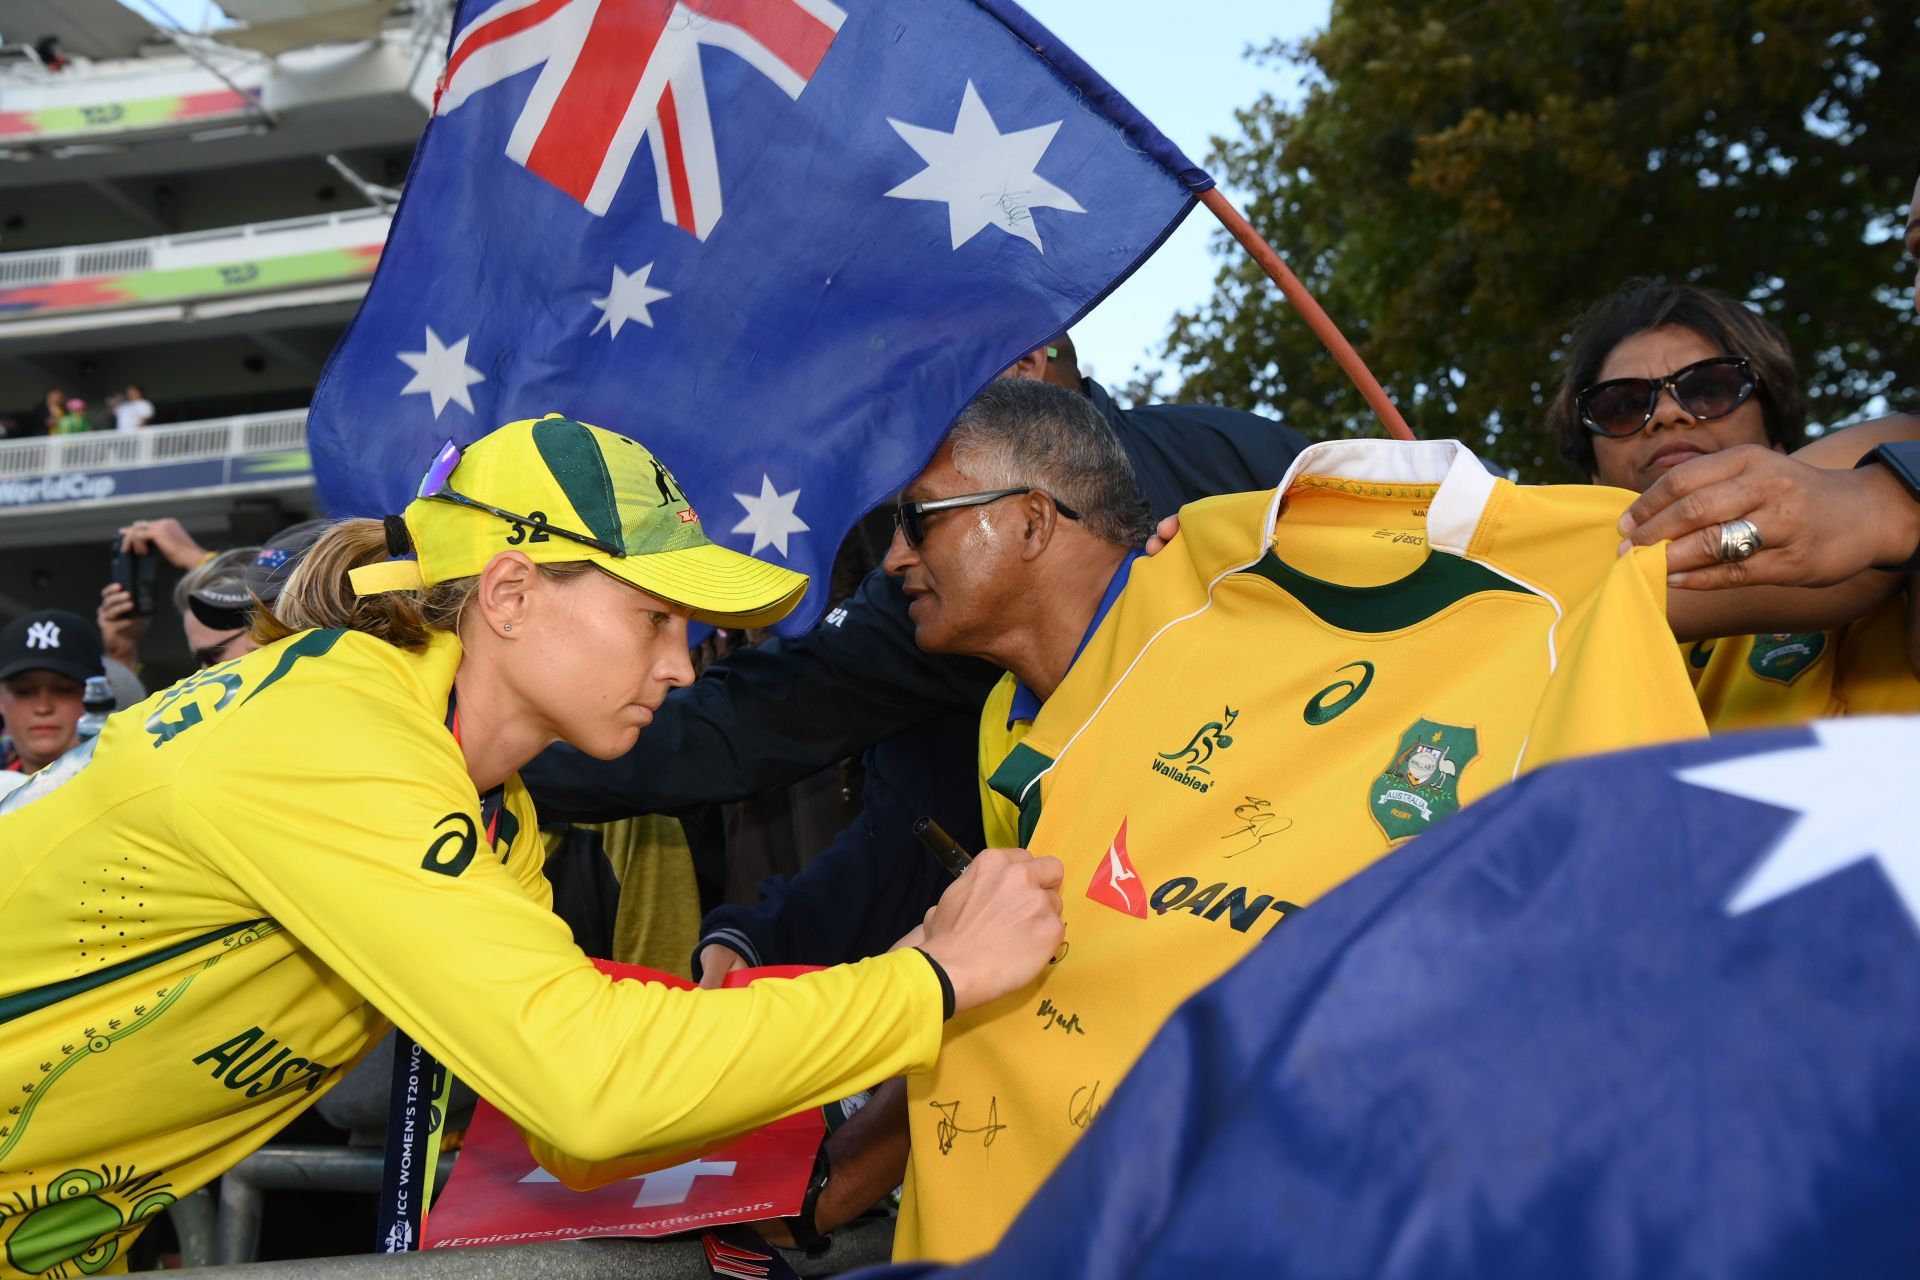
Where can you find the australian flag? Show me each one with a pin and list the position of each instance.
(1644, 1015)
(781, 242)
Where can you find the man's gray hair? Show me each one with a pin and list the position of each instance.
(1017, 432)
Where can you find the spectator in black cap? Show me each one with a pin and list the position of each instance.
(45, 660)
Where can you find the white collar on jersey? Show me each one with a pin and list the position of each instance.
(1452, 516)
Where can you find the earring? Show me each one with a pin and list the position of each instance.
(506, 626)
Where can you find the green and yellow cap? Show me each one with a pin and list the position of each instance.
(559, 491)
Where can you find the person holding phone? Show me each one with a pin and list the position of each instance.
(264, 866)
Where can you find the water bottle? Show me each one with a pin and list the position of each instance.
(98, 701)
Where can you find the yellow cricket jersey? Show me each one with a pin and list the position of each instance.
(1278, 699)
(1758, 682)
(203, 928)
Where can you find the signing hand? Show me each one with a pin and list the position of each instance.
(1818, 526)
(996, 927)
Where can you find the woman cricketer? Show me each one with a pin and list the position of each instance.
(205, 923)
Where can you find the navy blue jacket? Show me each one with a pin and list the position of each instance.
(770, 715)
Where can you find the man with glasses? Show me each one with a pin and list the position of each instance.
(771, 714)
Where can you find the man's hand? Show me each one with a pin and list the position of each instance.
(168, 538)
(716, 962)
(996, 927)
(1163, 533)
(1818, 526)
(119, 633)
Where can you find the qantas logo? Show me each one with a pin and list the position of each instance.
(1115, 883)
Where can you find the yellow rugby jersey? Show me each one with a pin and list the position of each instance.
(1278, 699)
(1763, 681)
(204, 928)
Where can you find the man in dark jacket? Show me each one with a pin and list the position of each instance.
(767, 716)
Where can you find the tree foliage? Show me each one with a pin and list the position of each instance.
(1462, 179)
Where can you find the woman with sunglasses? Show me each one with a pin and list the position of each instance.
(212, 916)
(1672, 391)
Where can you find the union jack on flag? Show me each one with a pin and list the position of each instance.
(615, 71)
(916, 193)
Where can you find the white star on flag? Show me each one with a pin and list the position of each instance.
(987, 178)
(628, 298)
(442, 372)
(1846, 790)
(770, 517)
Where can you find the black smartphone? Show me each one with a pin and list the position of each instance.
(135, 571)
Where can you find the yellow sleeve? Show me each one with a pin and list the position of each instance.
(1618, 681)
(358, 843)
(997, 814)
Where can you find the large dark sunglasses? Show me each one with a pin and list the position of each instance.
(910, 518)
(434, 485)
(1706, 389)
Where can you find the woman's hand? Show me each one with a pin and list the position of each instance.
(996, 926)
(119, 632)
(1817, 526)
(1163, 533)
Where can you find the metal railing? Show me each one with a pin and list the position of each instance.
(154, 446)
(122, 257)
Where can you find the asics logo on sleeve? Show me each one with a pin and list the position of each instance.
(454, 849)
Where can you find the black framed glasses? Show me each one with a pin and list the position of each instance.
(434, 485)
(910, 518)
(1706, 389)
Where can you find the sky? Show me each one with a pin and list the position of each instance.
(1188, 77)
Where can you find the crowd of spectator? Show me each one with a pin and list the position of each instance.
(61, 414)
(766, 816)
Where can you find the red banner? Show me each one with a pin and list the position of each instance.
(497, 1194)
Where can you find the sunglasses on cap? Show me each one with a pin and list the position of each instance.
(434, 485)
(910, 518)
(1706, 389)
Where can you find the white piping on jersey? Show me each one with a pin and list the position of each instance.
(1465, 486)
(1273, 511)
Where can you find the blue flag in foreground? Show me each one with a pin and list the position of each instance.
(1642, 1015)
(781, 242)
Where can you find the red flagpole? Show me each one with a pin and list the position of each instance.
(1316, 317)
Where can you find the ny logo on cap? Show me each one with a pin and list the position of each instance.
(43, 635)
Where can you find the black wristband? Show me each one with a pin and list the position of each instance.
(805, 1225)
(946, 985)
(1902, 458)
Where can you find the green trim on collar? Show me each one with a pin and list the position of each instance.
(1022, 765)
(1441, 580)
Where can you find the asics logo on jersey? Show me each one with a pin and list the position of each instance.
(454, 849)
(1319, 710)
(1115, 883)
